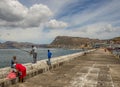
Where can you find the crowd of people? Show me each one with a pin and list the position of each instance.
(19, 70)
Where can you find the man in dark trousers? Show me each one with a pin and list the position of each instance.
(49, 57)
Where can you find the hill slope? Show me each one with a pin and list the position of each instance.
(74, 42)
(13, 44)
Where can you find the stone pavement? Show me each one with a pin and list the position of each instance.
(96, 69)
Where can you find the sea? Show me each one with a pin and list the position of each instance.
(24, 57)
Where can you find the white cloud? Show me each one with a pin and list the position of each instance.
(54, 24)
(19, 23)
(37, 14)
(99, 30)
(14, 14)
(21, 35)
(12, 10)
(36, 35)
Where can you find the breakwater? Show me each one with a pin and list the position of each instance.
(39, 67)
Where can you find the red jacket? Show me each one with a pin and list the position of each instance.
(21, 69)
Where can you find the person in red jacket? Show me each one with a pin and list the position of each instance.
(21, 71)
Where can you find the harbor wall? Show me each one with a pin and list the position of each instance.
(38, 68)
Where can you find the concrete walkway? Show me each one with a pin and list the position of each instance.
(96, 69)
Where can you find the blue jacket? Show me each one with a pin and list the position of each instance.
(49, 54)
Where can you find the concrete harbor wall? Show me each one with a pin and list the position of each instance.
(39, 67)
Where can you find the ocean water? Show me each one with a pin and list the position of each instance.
(24, 57)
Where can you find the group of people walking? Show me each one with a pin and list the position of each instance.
(20, 70)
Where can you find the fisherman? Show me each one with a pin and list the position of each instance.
(49, 57)
(34, 53)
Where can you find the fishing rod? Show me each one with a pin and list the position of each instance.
(23, 50)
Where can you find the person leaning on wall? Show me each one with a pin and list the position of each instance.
(20, 71)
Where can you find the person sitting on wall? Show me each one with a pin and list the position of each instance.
(13, 61)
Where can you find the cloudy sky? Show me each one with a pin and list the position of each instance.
(40, 21)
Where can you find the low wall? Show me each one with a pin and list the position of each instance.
(39, 67)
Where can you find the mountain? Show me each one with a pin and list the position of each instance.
(74, 42)
(13, 44)
(62, 42)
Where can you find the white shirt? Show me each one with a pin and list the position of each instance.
(34, 49)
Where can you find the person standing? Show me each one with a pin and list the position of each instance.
(34, 53)
(49, 57)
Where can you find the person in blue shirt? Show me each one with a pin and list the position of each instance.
(13, 61)
(49, 57)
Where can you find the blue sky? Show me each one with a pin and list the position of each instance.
(40, 21)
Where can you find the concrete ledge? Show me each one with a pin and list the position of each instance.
(38, 68)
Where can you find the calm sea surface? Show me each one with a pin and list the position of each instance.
(24, 57)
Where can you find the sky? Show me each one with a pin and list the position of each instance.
(40, 21)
